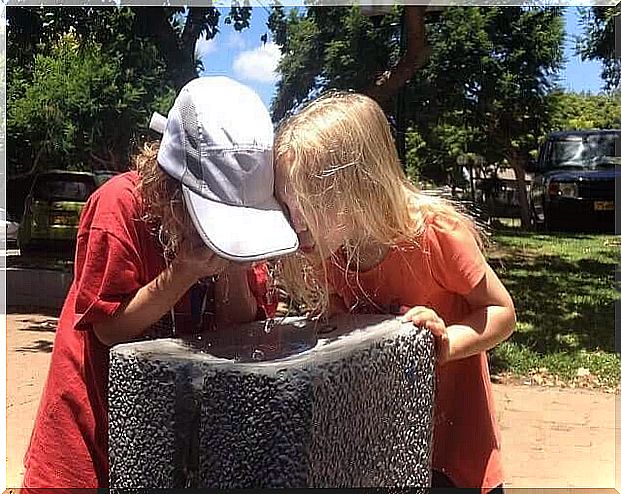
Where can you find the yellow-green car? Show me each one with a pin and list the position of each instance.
(52, 210)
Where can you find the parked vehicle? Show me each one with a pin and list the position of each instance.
(52, 209)
(498, 196)
(574, 180)
(9, 226)
(102, 176)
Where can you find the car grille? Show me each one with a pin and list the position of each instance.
(597, 190)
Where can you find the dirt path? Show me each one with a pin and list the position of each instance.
(551, 437)
(29, 345)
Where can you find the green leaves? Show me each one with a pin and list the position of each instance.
(490, 70)
(484, 92)
(239, 16)
(84, 81)
(78, 108)
(585, 111)
(329, 47)
(485, 89)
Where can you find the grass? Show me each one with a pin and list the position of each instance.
(563, 287)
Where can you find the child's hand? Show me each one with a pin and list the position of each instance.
(424, 317)
(200, 261)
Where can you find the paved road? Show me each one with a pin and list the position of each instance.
(551, 437)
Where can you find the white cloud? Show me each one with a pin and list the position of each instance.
(258, 64)
(204, 47)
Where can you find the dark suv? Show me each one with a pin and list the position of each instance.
(573, 184)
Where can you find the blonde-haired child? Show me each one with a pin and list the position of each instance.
(371, 241)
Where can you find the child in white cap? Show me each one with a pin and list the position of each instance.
(170, 247)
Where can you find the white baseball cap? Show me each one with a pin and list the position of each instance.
(217, 141)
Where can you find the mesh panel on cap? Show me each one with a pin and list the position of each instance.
(191, 134)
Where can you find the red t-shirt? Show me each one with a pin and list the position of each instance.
(116, 254)
(437, 271)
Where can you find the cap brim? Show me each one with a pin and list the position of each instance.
(242, 234)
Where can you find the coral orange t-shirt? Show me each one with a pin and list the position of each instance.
(116, 254)
(437, 271)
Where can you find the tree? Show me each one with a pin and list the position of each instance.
(513, 105)
(78, 110)
(73, 101)
(575, 111)
(598, 41)
(329, 47)
(174, 31)
(484, 87)
(123, 63)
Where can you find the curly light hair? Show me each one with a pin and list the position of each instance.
(162, 201)
(338, 152)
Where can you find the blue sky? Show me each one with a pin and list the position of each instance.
(244, 57)
(578, 75)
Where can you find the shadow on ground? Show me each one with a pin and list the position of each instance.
(45, 326)
(37, 346)
(563, 289)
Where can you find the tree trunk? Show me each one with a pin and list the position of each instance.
(517, 164)
(194, 24)
(178, 53)
(415, 56)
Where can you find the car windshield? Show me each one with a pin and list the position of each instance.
(591, 151)
(62, 188)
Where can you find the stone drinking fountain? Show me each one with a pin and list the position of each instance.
(344, 403)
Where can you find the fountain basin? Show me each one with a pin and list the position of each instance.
(347, 403)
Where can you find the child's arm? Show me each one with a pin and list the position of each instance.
(153, 300)
(491, 321)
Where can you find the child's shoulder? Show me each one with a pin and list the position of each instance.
(448, 232)
(430, 213)
(123, 183)
(442, 220)
(118, 197)
(445, 223)
(120, 190)
(437, 222)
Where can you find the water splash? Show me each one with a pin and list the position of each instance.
(269, 324)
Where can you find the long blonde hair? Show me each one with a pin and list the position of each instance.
(339, 151)
(162, 201)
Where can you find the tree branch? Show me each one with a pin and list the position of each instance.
(153, 22)
(192, 30)
(415, 56)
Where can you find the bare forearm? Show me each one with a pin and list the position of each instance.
(146, 307)
(235, 302)
(483, 329)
